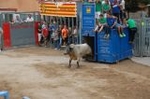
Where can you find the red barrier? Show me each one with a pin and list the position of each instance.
(6, 35)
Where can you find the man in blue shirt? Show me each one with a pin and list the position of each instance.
(113, 24)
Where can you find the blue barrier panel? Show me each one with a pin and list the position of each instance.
(4, 94)
(88, 9)
(113, 49)
(88, 19)
(125, 47)
(108, 49)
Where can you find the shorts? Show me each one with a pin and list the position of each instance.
(118, 25)
(97, 15)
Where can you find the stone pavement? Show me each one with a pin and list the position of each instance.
(142, 60)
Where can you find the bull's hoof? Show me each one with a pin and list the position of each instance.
(65, 53)
(69, 66)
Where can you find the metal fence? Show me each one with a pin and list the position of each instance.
(142, 38)
(18, 33)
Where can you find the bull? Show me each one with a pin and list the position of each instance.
(76, 52)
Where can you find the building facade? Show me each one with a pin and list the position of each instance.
(19, 5)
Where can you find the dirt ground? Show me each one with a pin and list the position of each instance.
(42, 73)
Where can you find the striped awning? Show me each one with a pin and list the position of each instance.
(61, 9)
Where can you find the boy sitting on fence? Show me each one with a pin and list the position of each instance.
(102, 24)
(112, 23)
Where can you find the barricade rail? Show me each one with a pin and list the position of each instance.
(142, 38)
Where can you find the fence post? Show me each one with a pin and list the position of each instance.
(141, 38)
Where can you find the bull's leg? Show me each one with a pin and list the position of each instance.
(78, 60)
(69, 63)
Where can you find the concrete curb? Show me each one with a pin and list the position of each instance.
(142, 60)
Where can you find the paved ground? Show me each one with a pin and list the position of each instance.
(42, 73)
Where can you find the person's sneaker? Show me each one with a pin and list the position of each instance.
(107, 36)
(121, 35)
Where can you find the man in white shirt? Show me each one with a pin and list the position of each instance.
(29, 18)
(18, 19)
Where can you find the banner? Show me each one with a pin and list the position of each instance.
(61, 9)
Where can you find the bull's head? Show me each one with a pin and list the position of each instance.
(69, 49)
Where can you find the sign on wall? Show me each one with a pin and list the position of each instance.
(61, 9)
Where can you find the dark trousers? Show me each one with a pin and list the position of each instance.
(132, 32)
(118, 16)
(107, 29)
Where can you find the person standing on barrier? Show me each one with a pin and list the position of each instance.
(1, 36)
(116, 9)
(98, 8)
(132, 29)
(59, 36)
(69, 35)
(106, 7)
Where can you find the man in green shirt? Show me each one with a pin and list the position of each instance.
(98, 8)
(132, 29)
(106, 7)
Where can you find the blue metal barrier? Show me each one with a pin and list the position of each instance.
(113, 49)
(109, 50)
(4, 94)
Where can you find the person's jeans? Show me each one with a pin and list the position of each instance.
(60, 43)
(75, 40)
(132, 32)
(56, 44)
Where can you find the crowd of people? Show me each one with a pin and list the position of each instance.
(111, 14)
(56, 35)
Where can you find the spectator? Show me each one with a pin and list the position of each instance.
(98, 8)
(106, 8)
(18, 19)
(29, 18)
(132, 29)
(112, 23)
(56, 39)
(102, 24)
(45, 35)
(64, 34)
(75, 35)
(39, 34)
(52, 28)
(116, 9)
